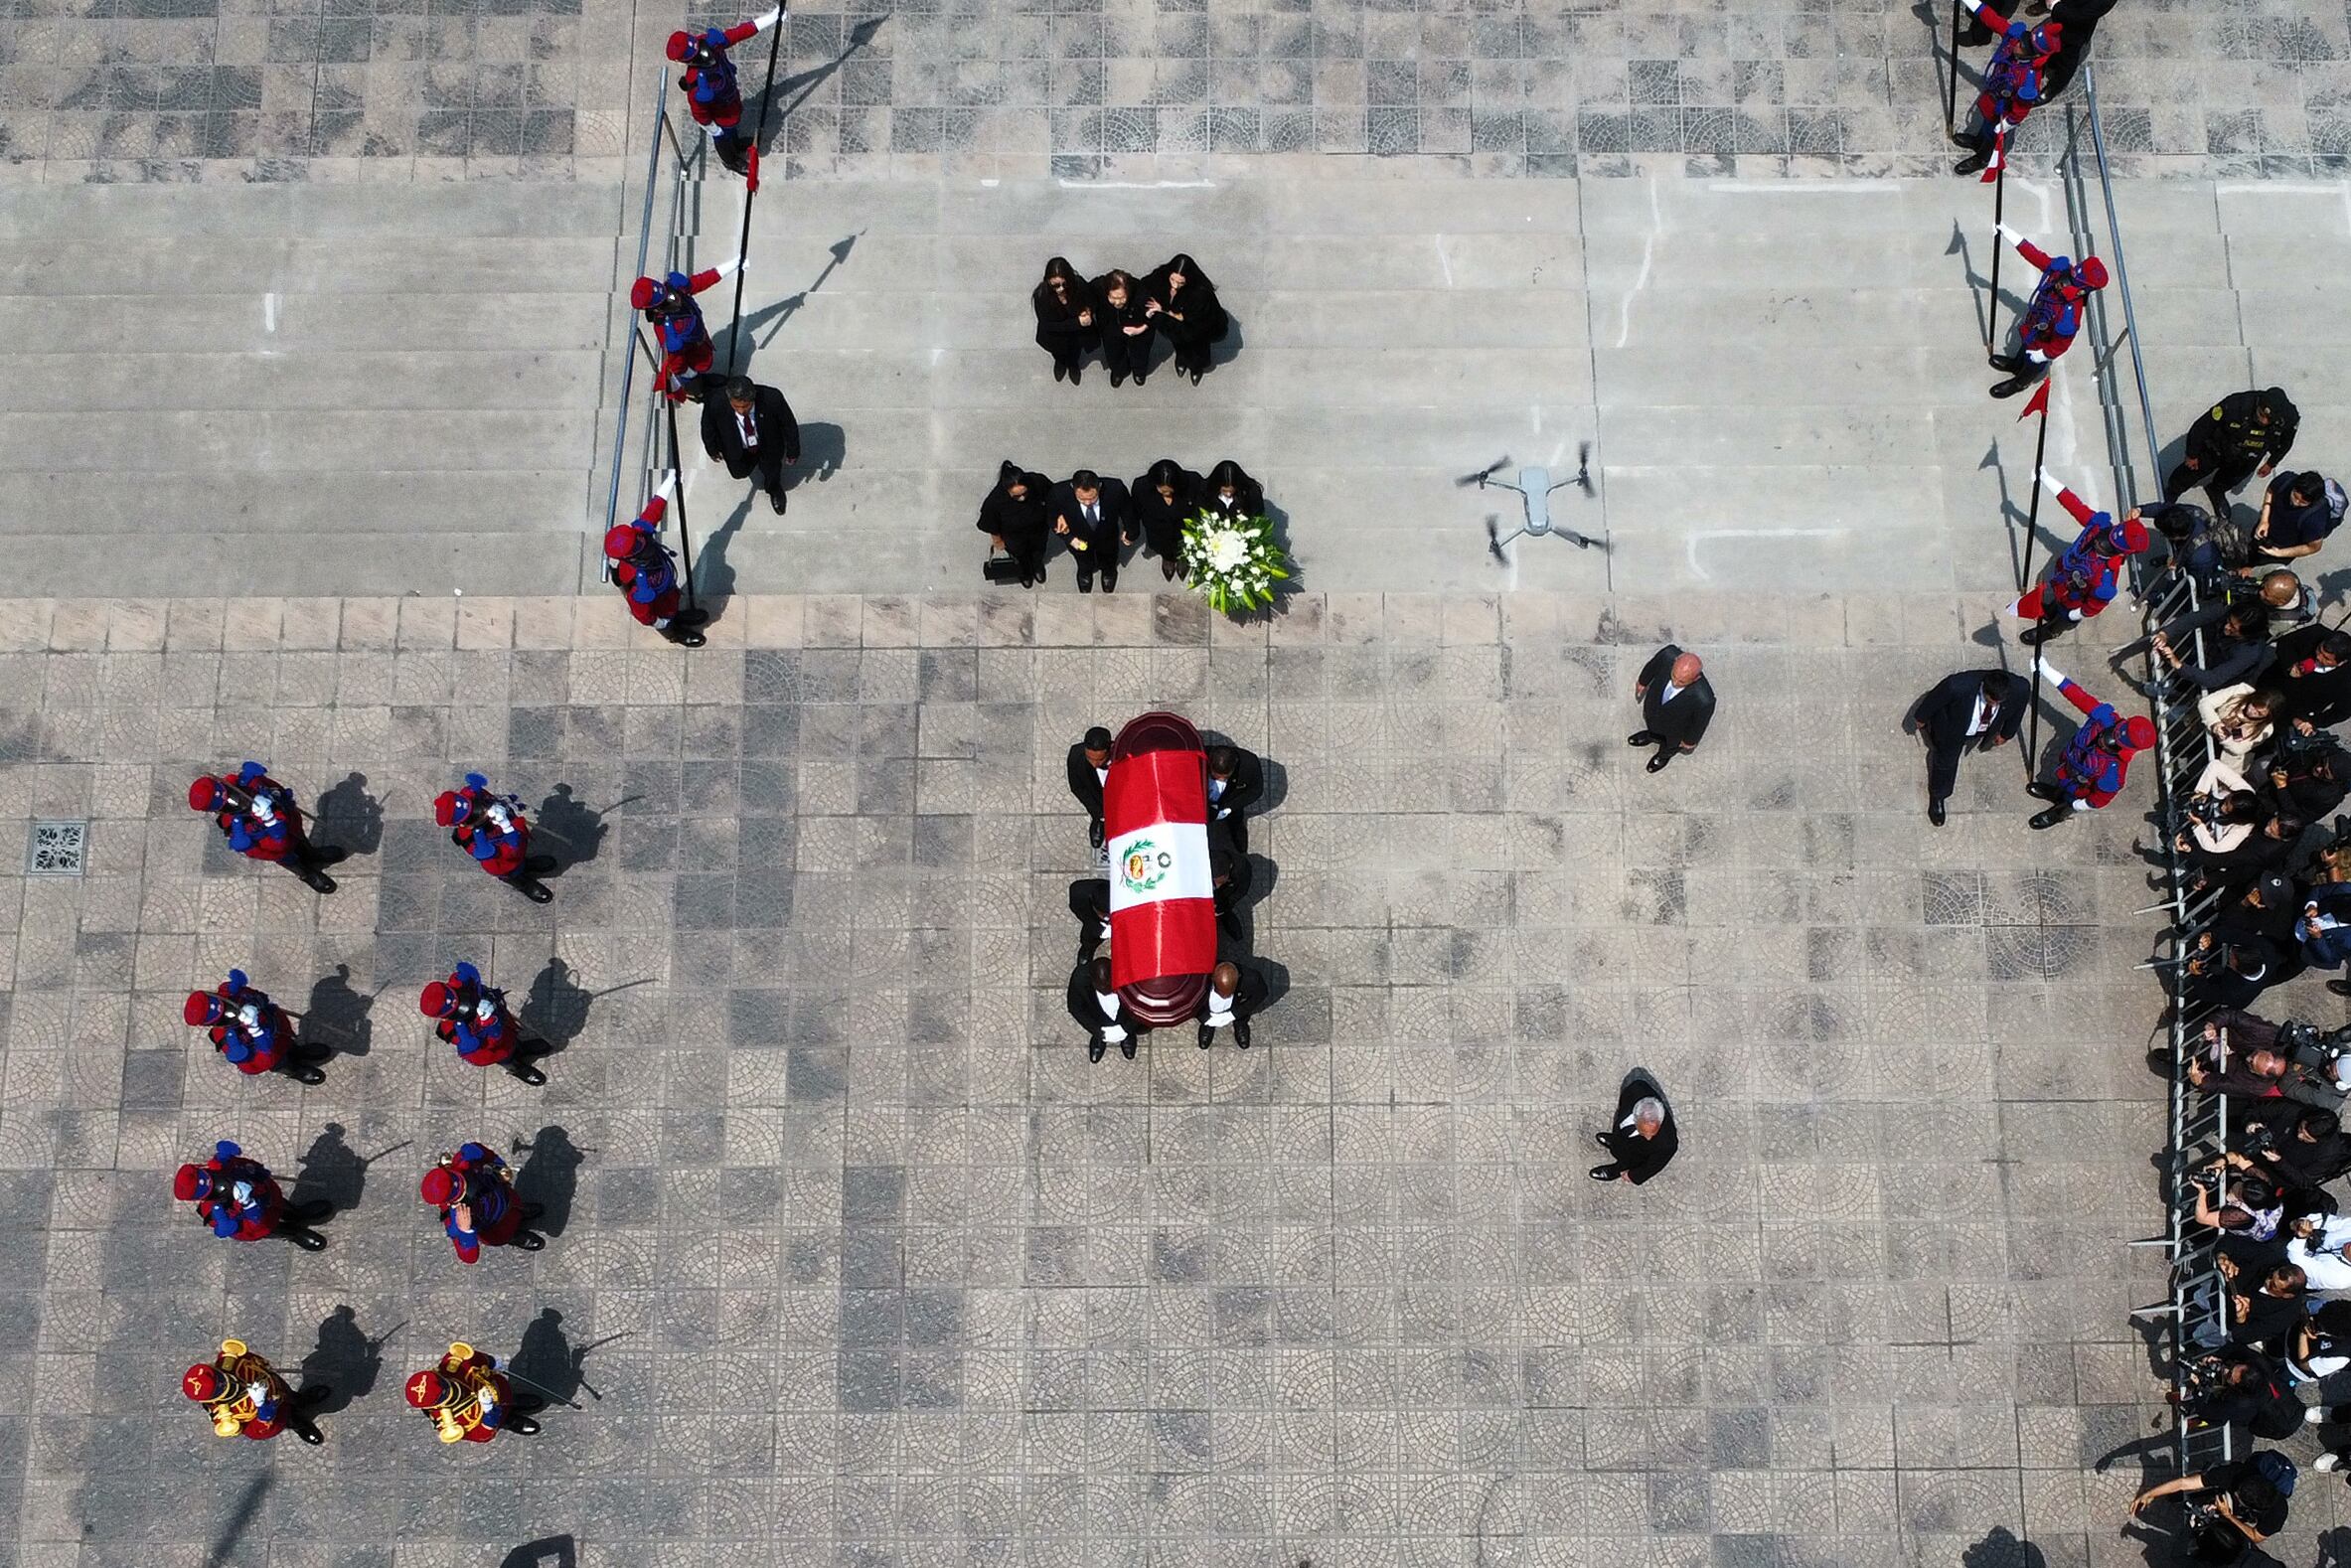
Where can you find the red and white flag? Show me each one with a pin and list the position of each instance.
(1991, 170)
(1163, 912)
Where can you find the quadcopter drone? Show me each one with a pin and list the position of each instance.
(1534, 489)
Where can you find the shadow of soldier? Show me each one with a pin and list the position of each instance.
(335, 1019)
(345, 1360)
(578, 830)
(548, 1177)
(2001, 1549)
(548, 1362)
(549, 1551)
(350, 818)
(330, 1172)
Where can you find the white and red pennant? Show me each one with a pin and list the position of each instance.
(1163, 912)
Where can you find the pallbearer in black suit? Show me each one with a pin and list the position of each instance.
(1165, 500)
(1676, 703)
(1183, 304)
(1641, 1139)
(1125, 325)
(1236, 782)
(1091, 513)
(1089, 770)
(1089, 902)
(1015, 518)
(1065, 318)
(1101, 1012)
(1235, 993)
(1973, 710)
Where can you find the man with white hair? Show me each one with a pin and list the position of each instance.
(1641, 1139)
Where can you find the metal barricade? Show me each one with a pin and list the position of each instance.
(2196, 1307)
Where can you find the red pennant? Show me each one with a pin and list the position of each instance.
(751, 178)
(2037, 404)
(1991, 170)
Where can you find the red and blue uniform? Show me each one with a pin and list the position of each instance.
(642, 566)
(234, 1195)
(475, 1176)
(2015, 81)
(488, 827)
(253, 810)
(2095, 761)
(668, 304)
(2086, 573)
(2053, 316)
(472, 1016)
(714, 92)
(248, 1027)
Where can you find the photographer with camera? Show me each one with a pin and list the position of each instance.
(2228, 970)
(2242, 1390)
(2231, 1507)
(2302, 1148)
(2310, 772)
(2236, 1199)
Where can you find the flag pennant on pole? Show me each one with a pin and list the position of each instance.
(751, 176)
(2037, 404)
(1991, 170)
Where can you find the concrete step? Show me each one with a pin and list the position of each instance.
(393, 561)
(76, 219)
(299, 323)
(293, 440)
(422, 263)
(419, 380)
(167, 507)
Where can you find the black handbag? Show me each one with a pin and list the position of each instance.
(1000, 568)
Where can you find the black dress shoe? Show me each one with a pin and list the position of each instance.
(1640, 738)
(1659, 760)
(1074, 377)
(522, 1426)
(1207, 1036)
(1973, 162)
(2050, 818)
(1935, 812)
(1060, 370)
(775, 499)
(1605, 1173)
(1095, 1050)
(1140, 377)
(1126, 1048)
(2011, 387)
(1118, 378)
(1085, 584)
(528, 1073)
(1241, 1033)
(303, 1073)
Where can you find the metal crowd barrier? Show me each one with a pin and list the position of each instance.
(674, 168)
(2195, 1310)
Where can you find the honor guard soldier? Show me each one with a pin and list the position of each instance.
(247, 1397)
(492, 829)
(713, 94)
(2052, 317)
(474, 1017)
(252, 1030)
(477, 1202)
(2086, 574)
(257, 815)
(239, 1200)
(468, 1397)
(667, 303)
(648, 574)
(2013, 83)
(2096, 762)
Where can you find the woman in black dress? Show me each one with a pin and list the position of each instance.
(1165, 500)
(1014, 520)
(1183, 305)
(1230, 495)
(1125, 324)
(1065, 318)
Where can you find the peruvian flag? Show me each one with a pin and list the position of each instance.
(1163, 914)
(1991, 170)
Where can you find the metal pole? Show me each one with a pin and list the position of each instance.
(684, 540)
(620, 433)
(1950, 94)
(2097, 142)
(1999, 243)
(2032, 522)
(742, 247)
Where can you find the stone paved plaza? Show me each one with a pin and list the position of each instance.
(855, 1259)
(431, 90)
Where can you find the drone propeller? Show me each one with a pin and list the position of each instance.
(1484, 474)
(1493, 533)
(1584, 467)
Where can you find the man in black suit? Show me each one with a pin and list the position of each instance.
(1973, 710)
(2313, 671)
(1676, 702)
(752, 430)
(1642, 1137)
(1235, 993)
(1089, 770)
(1101, 1012)
(1092, 514)
(1089, 902)
(1236, 781)
(1230, 876)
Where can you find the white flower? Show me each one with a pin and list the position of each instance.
(1227, 549)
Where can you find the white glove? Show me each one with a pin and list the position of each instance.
(2007, 234)
(1112, 1034)
(502, 819)
(2052, 671)
(483, 1010)
(2051, 482)
(2073, 615)
(769, 20)
(729, 268)
(669, 486)
(249, 1016)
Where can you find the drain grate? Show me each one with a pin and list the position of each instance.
(57, 849)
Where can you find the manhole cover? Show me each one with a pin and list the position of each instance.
(57, 849)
